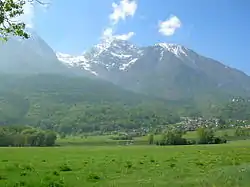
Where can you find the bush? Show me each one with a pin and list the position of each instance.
(205, 136)
(3, 177)
(191, 142)
(150, 139)
(55, 183)
(129, 164)
(56, 173)
(241, 132)
(65, 167)
(173, 137)
(93, 177)
(123, 137)
(218, 140)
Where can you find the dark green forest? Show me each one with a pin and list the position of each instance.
(71, 104)
(76, 104)
(26, 136)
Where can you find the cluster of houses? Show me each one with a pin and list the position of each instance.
(191, 124)
(186, 124)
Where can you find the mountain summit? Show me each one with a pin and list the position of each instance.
(109, 55)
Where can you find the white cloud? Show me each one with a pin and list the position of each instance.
(125, 36)
(122, 10)
(108, 33)
(169, 26)
(29, 14)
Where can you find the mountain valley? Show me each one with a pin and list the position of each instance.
(165, 81)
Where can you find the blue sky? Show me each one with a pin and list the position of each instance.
(215, 28)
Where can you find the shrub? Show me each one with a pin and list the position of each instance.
(173, 137)
(23, 173)
(172, 165)
(65, 167)
(55, 183)
(128, 164)
(205, 136)
(56, 173)
(241, 132)
(150, 139)
(93, 177)
(218, 140)
(19, 184)
(191, 142)
(123, 137)
(3, 177)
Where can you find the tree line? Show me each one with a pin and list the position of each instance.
(20, 136)
(175, 137)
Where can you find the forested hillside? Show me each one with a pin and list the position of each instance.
(73, 104)
(237, 109)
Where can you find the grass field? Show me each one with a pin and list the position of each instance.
(106, 140)
(178, 166)
(193, 135)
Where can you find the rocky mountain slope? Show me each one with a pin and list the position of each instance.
(164, 70)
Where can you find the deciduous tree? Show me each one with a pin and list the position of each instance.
(10, 10)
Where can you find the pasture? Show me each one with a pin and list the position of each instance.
(105, 140)
(225, 165)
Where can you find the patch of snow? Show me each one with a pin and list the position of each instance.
(140, 52)
(162, 53)
(177, 50)
(69, 59)
(73, 61)
(120, 55)
(125, 66)
(103, 46)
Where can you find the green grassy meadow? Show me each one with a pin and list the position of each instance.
(225, 165)
(143, 140)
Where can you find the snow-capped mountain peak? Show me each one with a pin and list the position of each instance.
(110, 54)
(176, 49)
(113, 54)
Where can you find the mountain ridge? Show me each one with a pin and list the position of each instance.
(163, 64)
(169, 71)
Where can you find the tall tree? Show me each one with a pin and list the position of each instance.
(205, 135)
